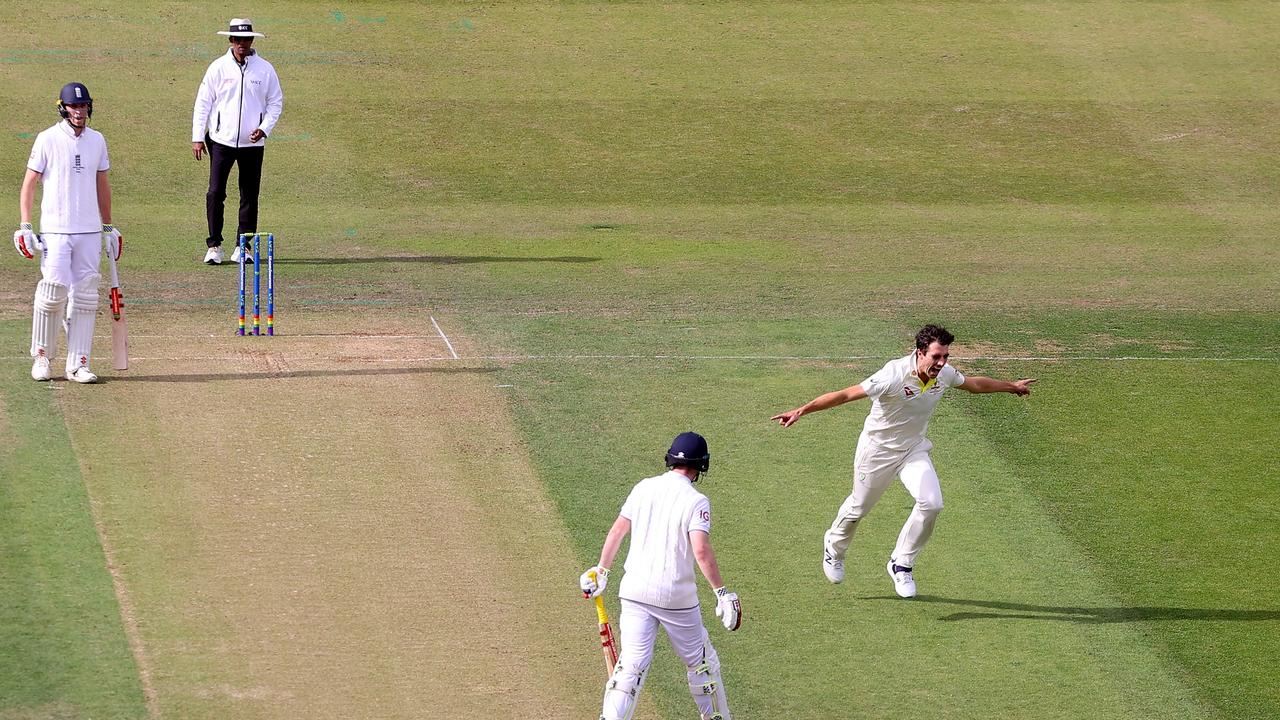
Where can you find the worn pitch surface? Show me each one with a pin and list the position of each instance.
(382, 550)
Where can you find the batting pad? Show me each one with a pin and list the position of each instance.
(51, 297)
(621, 693)
(707, 688)
(82, 314)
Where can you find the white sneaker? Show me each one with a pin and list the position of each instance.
(903, 583)
(40, 368)
(214, 256)
(248, 256)
(82, 375)
(832, 565)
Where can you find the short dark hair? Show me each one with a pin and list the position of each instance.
(933, 333)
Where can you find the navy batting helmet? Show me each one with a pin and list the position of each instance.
(74, 93)
(690, 450)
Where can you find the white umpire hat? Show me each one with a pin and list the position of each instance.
(240, 27)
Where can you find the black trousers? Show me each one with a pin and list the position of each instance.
(221, 158)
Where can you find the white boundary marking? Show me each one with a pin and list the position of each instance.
(452, 352)
(762, 358)
(1063, 358)
(354, 336)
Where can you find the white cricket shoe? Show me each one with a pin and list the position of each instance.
(832, 565)
(248, 255)
(214, 256)
(82, 375)
(40, 369)
(903, 583)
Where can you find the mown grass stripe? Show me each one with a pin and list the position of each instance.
(61, 638)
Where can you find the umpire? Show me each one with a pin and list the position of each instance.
(237, 105)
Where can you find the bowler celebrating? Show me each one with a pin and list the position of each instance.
(670, 524)
(903, 396)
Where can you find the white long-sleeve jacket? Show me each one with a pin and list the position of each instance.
(235, 100)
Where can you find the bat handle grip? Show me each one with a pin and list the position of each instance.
(601, 615)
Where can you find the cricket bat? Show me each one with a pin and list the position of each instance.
(119, 328)
(608, 645)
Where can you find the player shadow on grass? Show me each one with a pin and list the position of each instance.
(435, 259)
(289, 374)
(1088, 615)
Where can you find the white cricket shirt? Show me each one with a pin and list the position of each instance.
(901, 405)
(68, 167)
(659, 567)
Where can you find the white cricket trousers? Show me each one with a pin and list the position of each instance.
(874, 468)
(68, 291)
(71, 259)
(638, 629)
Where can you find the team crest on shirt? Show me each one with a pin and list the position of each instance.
(908, 392)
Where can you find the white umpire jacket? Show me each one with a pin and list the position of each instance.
(235, 100)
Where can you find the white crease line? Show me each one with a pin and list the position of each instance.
(446, 338)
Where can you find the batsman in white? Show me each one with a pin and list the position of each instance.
(903, 396)
(70, 161)
(670, 525)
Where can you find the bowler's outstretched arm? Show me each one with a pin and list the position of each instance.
(980, 384)
(822, 402)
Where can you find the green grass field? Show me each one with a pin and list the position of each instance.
(630, 220)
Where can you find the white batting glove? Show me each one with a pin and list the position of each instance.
(113, 241)
(27, 242)
(593, 581)
(728, 608)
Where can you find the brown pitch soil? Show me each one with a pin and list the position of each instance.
(302, 527)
